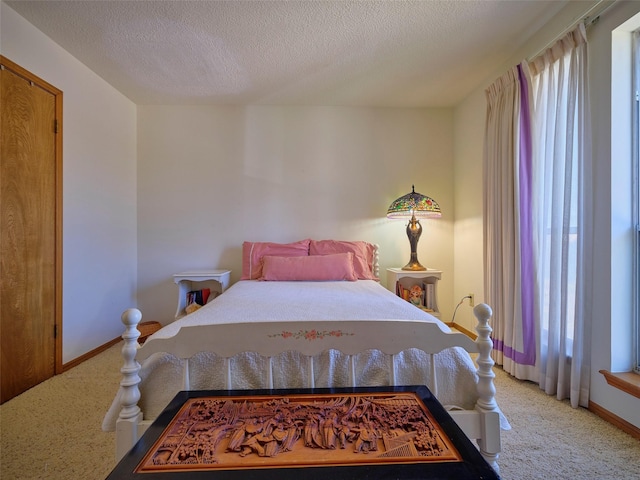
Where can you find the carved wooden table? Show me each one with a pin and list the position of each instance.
(341, 433)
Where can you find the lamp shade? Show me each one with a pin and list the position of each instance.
(414, 204)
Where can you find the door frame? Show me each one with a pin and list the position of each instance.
(5, 63)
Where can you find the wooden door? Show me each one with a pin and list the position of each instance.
(30, 222)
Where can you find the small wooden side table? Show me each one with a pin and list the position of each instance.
(426, 279)
(216, 280)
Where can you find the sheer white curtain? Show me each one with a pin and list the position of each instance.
(509, 280)
(562, 216)
(537, 211)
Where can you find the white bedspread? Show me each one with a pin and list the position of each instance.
(256, 301)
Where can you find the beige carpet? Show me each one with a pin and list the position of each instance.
(53, 432)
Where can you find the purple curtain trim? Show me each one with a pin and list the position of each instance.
(527, 280)
(527, 358)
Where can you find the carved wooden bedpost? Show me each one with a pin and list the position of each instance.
(376, 261)
(486, 389)
(129, 394)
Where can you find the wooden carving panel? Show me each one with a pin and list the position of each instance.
(299, 430)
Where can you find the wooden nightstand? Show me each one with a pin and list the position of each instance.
(426, 279)
(216, 280)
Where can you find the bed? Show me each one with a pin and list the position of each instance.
(295, 321)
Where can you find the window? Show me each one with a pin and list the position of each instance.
(625, 143)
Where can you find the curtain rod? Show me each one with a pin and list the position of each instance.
(589, 17)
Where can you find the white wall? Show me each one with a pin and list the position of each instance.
(608, 326)
(468, 197)
(210, 178)
(99, 187)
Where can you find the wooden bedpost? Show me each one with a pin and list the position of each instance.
(490, 424)
(376, 261)
(129, 394)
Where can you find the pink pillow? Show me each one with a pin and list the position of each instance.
(362, 254)
(318, 268)
(252, 253)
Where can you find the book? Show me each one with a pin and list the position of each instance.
(198, 296)
(429, 297)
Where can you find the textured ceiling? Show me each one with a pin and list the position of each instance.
(352, 53)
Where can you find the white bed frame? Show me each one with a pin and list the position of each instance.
(391, 337)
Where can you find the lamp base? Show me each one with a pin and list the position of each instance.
(414, 266)
(414, 230)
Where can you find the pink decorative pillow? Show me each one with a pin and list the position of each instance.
(334, 267)
(252, 253)
(362, 254)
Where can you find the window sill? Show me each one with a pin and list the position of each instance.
(628, 382)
